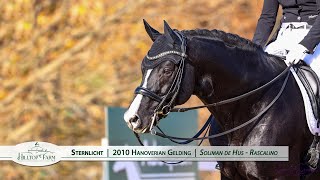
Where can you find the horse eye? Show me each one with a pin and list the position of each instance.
(167, 71)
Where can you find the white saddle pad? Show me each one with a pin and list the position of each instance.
(311, 120)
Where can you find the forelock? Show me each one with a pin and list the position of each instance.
(160, 45)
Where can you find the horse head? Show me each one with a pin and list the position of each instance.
(164, 81)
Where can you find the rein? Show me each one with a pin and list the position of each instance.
(164, 109)
(233, 99)
(237, 127)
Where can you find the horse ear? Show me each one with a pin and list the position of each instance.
(169, 33)
(151, 32)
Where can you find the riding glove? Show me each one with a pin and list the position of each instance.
(295, 54)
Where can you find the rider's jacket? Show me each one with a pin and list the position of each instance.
(293, 11)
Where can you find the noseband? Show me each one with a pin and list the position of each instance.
(166, 102)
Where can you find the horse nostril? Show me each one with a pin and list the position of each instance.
(134, 119)
(135, 122)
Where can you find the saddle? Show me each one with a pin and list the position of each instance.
(311, 83)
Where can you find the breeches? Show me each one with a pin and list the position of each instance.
(289, 36)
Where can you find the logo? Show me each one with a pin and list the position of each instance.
(36, 154)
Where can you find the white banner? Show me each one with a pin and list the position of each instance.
(42, 153)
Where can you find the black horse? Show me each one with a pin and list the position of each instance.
(218, 66)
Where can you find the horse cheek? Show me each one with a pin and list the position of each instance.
(187, 86)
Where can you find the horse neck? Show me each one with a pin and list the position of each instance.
(223, 72)
(231, 70)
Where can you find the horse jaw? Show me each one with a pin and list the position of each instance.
(187, 85)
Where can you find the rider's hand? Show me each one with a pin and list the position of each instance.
(298, 52)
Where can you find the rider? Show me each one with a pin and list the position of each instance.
(299, 33)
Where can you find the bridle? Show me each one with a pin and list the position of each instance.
(165, 105)
(166, 102)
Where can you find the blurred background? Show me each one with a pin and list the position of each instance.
(62, 61)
